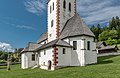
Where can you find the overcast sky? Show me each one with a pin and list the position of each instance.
(23, 21)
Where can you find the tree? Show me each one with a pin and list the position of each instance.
(96, 30)
(104, 28)
(113, 34)
(117, 21)
(115, 24)
(4, 56)
(110, 36)
(104, 35)
(111, 41)
(118, 25)
(110, 33)
(112, 24)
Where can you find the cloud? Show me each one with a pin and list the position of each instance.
(6, 47)
(98, 11)
(35, 6)
(18, 26)
(92, 11)
(25, 27)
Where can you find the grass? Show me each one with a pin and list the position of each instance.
(107, 67)
(118, 46)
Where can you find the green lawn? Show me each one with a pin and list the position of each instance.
(118, 46)
(107, 67)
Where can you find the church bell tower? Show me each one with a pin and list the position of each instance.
(59, 11)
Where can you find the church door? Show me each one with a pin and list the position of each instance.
(49, 65)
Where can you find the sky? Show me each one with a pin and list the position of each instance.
(23, 21)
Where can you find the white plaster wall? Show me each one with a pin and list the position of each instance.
(64, 16)
(67, 40)
(64, 59)
(43, 42)
(31, 63)
(45, 58)
(26, 60)
(76, 54)
(82, 56)
(52, 16)
(92, 43)
(90, 55)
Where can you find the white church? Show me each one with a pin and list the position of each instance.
(67, 42)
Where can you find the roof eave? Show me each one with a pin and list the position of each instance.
(78, 35)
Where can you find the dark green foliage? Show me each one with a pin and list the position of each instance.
(96, 30)
(110, 34)
(104, 35)
(112, 24)
(118, 41)
(111, 41)
(3, 55)
(115, 24)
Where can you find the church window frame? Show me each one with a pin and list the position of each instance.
(50, 9)
(64, 51)
(44, 63)
(53, 6)
(52, 23)
(69, 8)
(64, 4)
(40, 54)
(44, 52)
(50, 35)
(33, 57)
(88, 45)
(74, 45)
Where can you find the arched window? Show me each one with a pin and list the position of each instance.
(53, 5)
(70, 7)
(52, 23)
(50, 9)
(64, 4)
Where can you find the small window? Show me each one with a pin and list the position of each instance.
(74, 45)
(52, 23)
(94, 40)
(53, 6)
(50, 9)
(70, 7)
(64, 4)
(43, 63)
(44, 52)
(33, 57)
(64, 52)
(40, 54)
(50, 35)
(88, 45)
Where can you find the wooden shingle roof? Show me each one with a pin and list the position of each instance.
(57, 42)
(30, 47)
(75, 27)
(109, 47)
(99, 44)
(43, 37)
